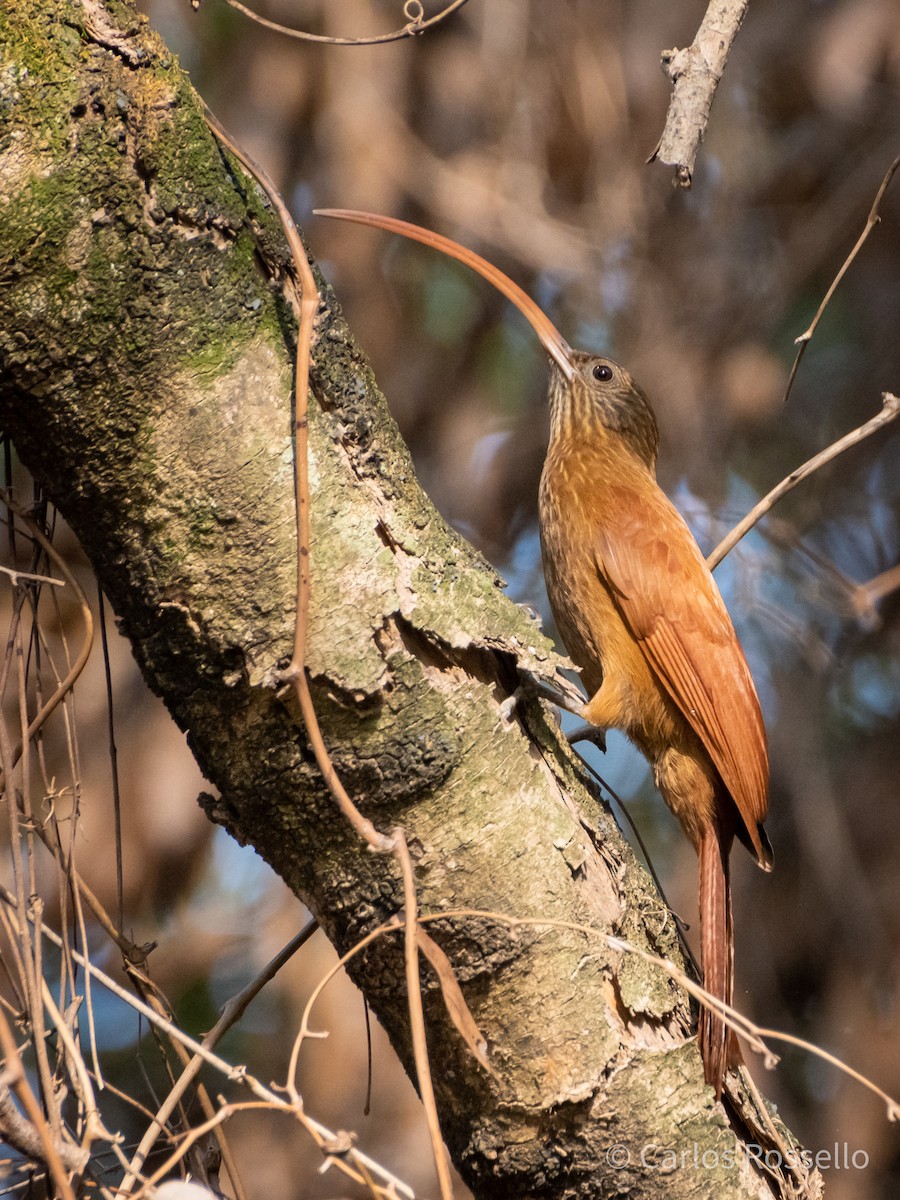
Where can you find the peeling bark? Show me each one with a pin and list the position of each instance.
(145, 376)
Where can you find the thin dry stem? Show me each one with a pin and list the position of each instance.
(305, 302)
(81, 661)
(52, 1148)
(78, 1073)
(24, 889)
(361, 1175)
(231, 1014)
(417, 1017)
(415, 25)
(742, 1025)
(237, 1074)
(190, 1138)
(16, 577)
(733, 1019)
(304, 1031)
(872, 220)
(890, 409)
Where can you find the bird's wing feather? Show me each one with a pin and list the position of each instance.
(658, 579)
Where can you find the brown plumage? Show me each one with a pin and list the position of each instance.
(639, 612)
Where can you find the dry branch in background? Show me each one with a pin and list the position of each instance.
(890, 410)
(695, 74)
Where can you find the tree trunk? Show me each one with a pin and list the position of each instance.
(145, 377)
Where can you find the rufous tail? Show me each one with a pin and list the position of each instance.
(718, 1045)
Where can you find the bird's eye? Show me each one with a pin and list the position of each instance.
(601, 372)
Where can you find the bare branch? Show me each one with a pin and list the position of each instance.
(867, 595)
(872, 220)
(237, 1074)
(16, 577)
(84, 653)
(889, 411)
(695, 74)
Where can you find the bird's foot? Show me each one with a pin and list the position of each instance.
(511, 703)
(566, 696)
(532, 613)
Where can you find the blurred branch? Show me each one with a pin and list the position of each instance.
(417, 1017)
(462, 194)
(695, 74)
(16, 577)
(866, 596)
(889, 411)
(32, 1136)
(414, 12)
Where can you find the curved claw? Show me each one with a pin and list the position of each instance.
(588, 733)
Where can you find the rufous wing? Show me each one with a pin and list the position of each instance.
(658, 579)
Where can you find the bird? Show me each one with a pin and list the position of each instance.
(640, 614)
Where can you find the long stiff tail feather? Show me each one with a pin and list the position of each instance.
(718, 1045)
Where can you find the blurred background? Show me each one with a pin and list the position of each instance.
(521, 129)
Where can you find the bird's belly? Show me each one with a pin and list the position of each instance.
(601, 644)
(590, 627)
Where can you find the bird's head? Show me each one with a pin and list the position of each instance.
(589, 394)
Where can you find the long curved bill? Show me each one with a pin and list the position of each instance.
(551, 339)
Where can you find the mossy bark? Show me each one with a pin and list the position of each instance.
(145, 376)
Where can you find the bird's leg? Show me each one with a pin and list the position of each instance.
(567, 700)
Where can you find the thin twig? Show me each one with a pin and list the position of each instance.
(735, 1020)
(16, 1079)
(417, 1017)
(889, 411)
(872, 220)
(237, 1074)
(415, 25)
(113, 756)
(191, 1137)
(306, 302)
(24, 891)
(231, 1014)
(16, 577)
(78, 1073)
(80, 662)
